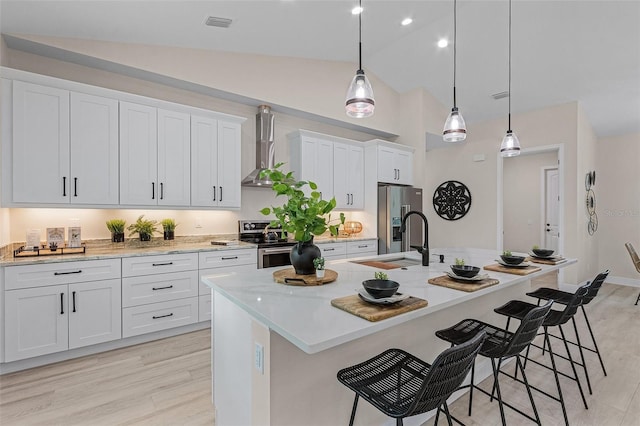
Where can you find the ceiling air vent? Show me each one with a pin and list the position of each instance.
(500, 95)
(214, 21)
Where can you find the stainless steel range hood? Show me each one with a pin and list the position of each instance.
(265, 149)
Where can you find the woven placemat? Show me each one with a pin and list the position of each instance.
(446, 281)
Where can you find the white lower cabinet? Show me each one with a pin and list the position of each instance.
(362, 248)
(54, 318)
(333, 251)
(159, 316)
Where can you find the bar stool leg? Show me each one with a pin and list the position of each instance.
(473, 373)
(398, 422)
(593, 339)
(573, 367)
(526, 383)
(497, 387)
(353, 410)
(446, 411)
(493, 388)
(584, 363)
(555, 375)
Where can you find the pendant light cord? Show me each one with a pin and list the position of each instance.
(360, 36)
(455, 45)
(509, 66)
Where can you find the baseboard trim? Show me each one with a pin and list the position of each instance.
(629, 282)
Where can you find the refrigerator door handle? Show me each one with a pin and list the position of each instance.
(406, 236)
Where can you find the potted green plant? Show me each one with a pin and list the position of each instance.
(302, 216)
(116, 226)
(169, 227)
(318, 263)
(143, 227)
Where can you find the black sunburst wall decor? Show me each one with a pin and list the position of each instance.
(452, 200)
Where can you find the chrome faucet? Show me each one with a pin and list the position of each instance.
(424, 250)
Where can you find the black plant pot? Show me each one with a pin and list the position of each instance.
(302, 255)
(169, 235)
(145, 237)
(117, 237)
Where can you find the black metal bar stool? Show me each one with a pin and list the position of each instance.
(564, 298)
(500, 345)
(636, 261)
(519, 309)
(401, 385)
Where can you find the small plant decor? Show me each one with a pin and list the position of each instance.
(507, 253)
(535, 247)
(143, 227)
(318, 263)
(381, 276)
(116, 227)
(459, 262)
(169, 227)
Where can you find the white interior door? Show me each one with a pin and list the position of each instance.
(552, 208)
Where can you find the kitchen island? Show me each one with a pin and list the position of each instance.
(277, 348)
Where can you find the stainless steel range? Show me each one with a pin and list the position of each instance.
(273, 245)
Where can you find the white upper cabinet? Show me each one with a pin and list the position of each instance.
(348, 167)
(215, 163)
(314, 162)
(174, 159)
(40, 144)
(395, 164)
(94, 150)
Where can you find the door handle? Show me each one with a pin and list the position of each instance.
(548, 230)
(220, 193)
(75, 186)
(162, 264)
(61, 303)
(161, 190)
(162, 288)
(79, 271)
(64, 186)
(73, 299)
(163, 316)
(153, 190)
(214, 193)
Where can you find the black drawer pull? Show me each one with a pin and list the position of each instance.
(162, 264)
(162, 288)
(73, 298)
(329, 249)
(68, 273)
(61, 303)
(230, 258)
(364, 246)
(163, 316)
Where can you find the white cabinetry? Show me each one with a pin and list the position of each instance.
(159, 292)
(335, 164)
(395, 164)
(65, 147)
(362, 248)
(332, 251)
(154, 156)
(221, 262)
(55, 307)
(215, 163)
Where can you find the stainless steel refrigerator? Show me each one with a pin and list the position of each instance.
(393, 203)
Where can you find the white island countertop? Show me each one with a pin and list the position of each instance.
(304, 315)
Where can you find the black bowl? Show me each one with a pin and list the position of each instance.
(512, 260)
(542, 252)
(466, 271)
(380, 288)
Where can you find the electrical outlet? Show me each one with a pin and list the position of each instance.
(258, 357)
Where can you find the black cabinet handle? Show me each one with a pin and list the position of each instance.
(161, 288)
(153, 190)
(75, 186)
(73, 299)
(163, 316)
(61, 303)
(79, 271)
(347, 199)
(329, 249)
(548, 230)
(64, 186)
(364, 246)
(214, 193)
(220, 193)
(162, 264)
(230, 258)
(161, 190)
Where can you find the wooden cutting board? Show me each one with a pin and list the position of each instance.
(445, 281)
(288, 276)
(379, 265)
(516, 271)
(372, 312)
(546, 261)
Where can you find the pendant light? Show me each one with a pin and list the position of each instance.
(455, 129)
(360, 102)
(510, 144)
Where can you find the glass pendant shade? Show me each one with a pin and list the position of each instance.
(455, 129)
(360, 102)
(510, 145)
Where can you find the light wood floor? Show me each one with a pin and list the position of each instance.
(167, 382)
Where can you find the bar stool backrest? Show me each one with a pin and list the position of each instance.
(572, 307)
(446, 374)
(634, 256)
(594, 287)
(524, 335)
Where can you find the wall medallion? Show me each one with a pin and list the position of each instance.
(452, 200)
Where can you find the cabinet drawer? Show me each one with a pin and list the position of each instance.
(146, 265)
(218, 258)
(204, 311)
(333, 249)
(25, 276)
(159, 288)
(159, 316)
(357, 248)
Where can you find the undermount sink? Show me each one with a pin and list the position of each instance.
(390, 263)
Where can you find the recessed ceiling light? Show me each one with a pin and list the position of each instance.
(406, 21)
(443, 42)
(214, 21)
(357, 10)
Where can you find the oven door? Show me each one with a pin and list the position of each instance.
(273, 256)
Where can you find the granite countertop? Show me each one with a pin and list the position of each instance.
(105, 249)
